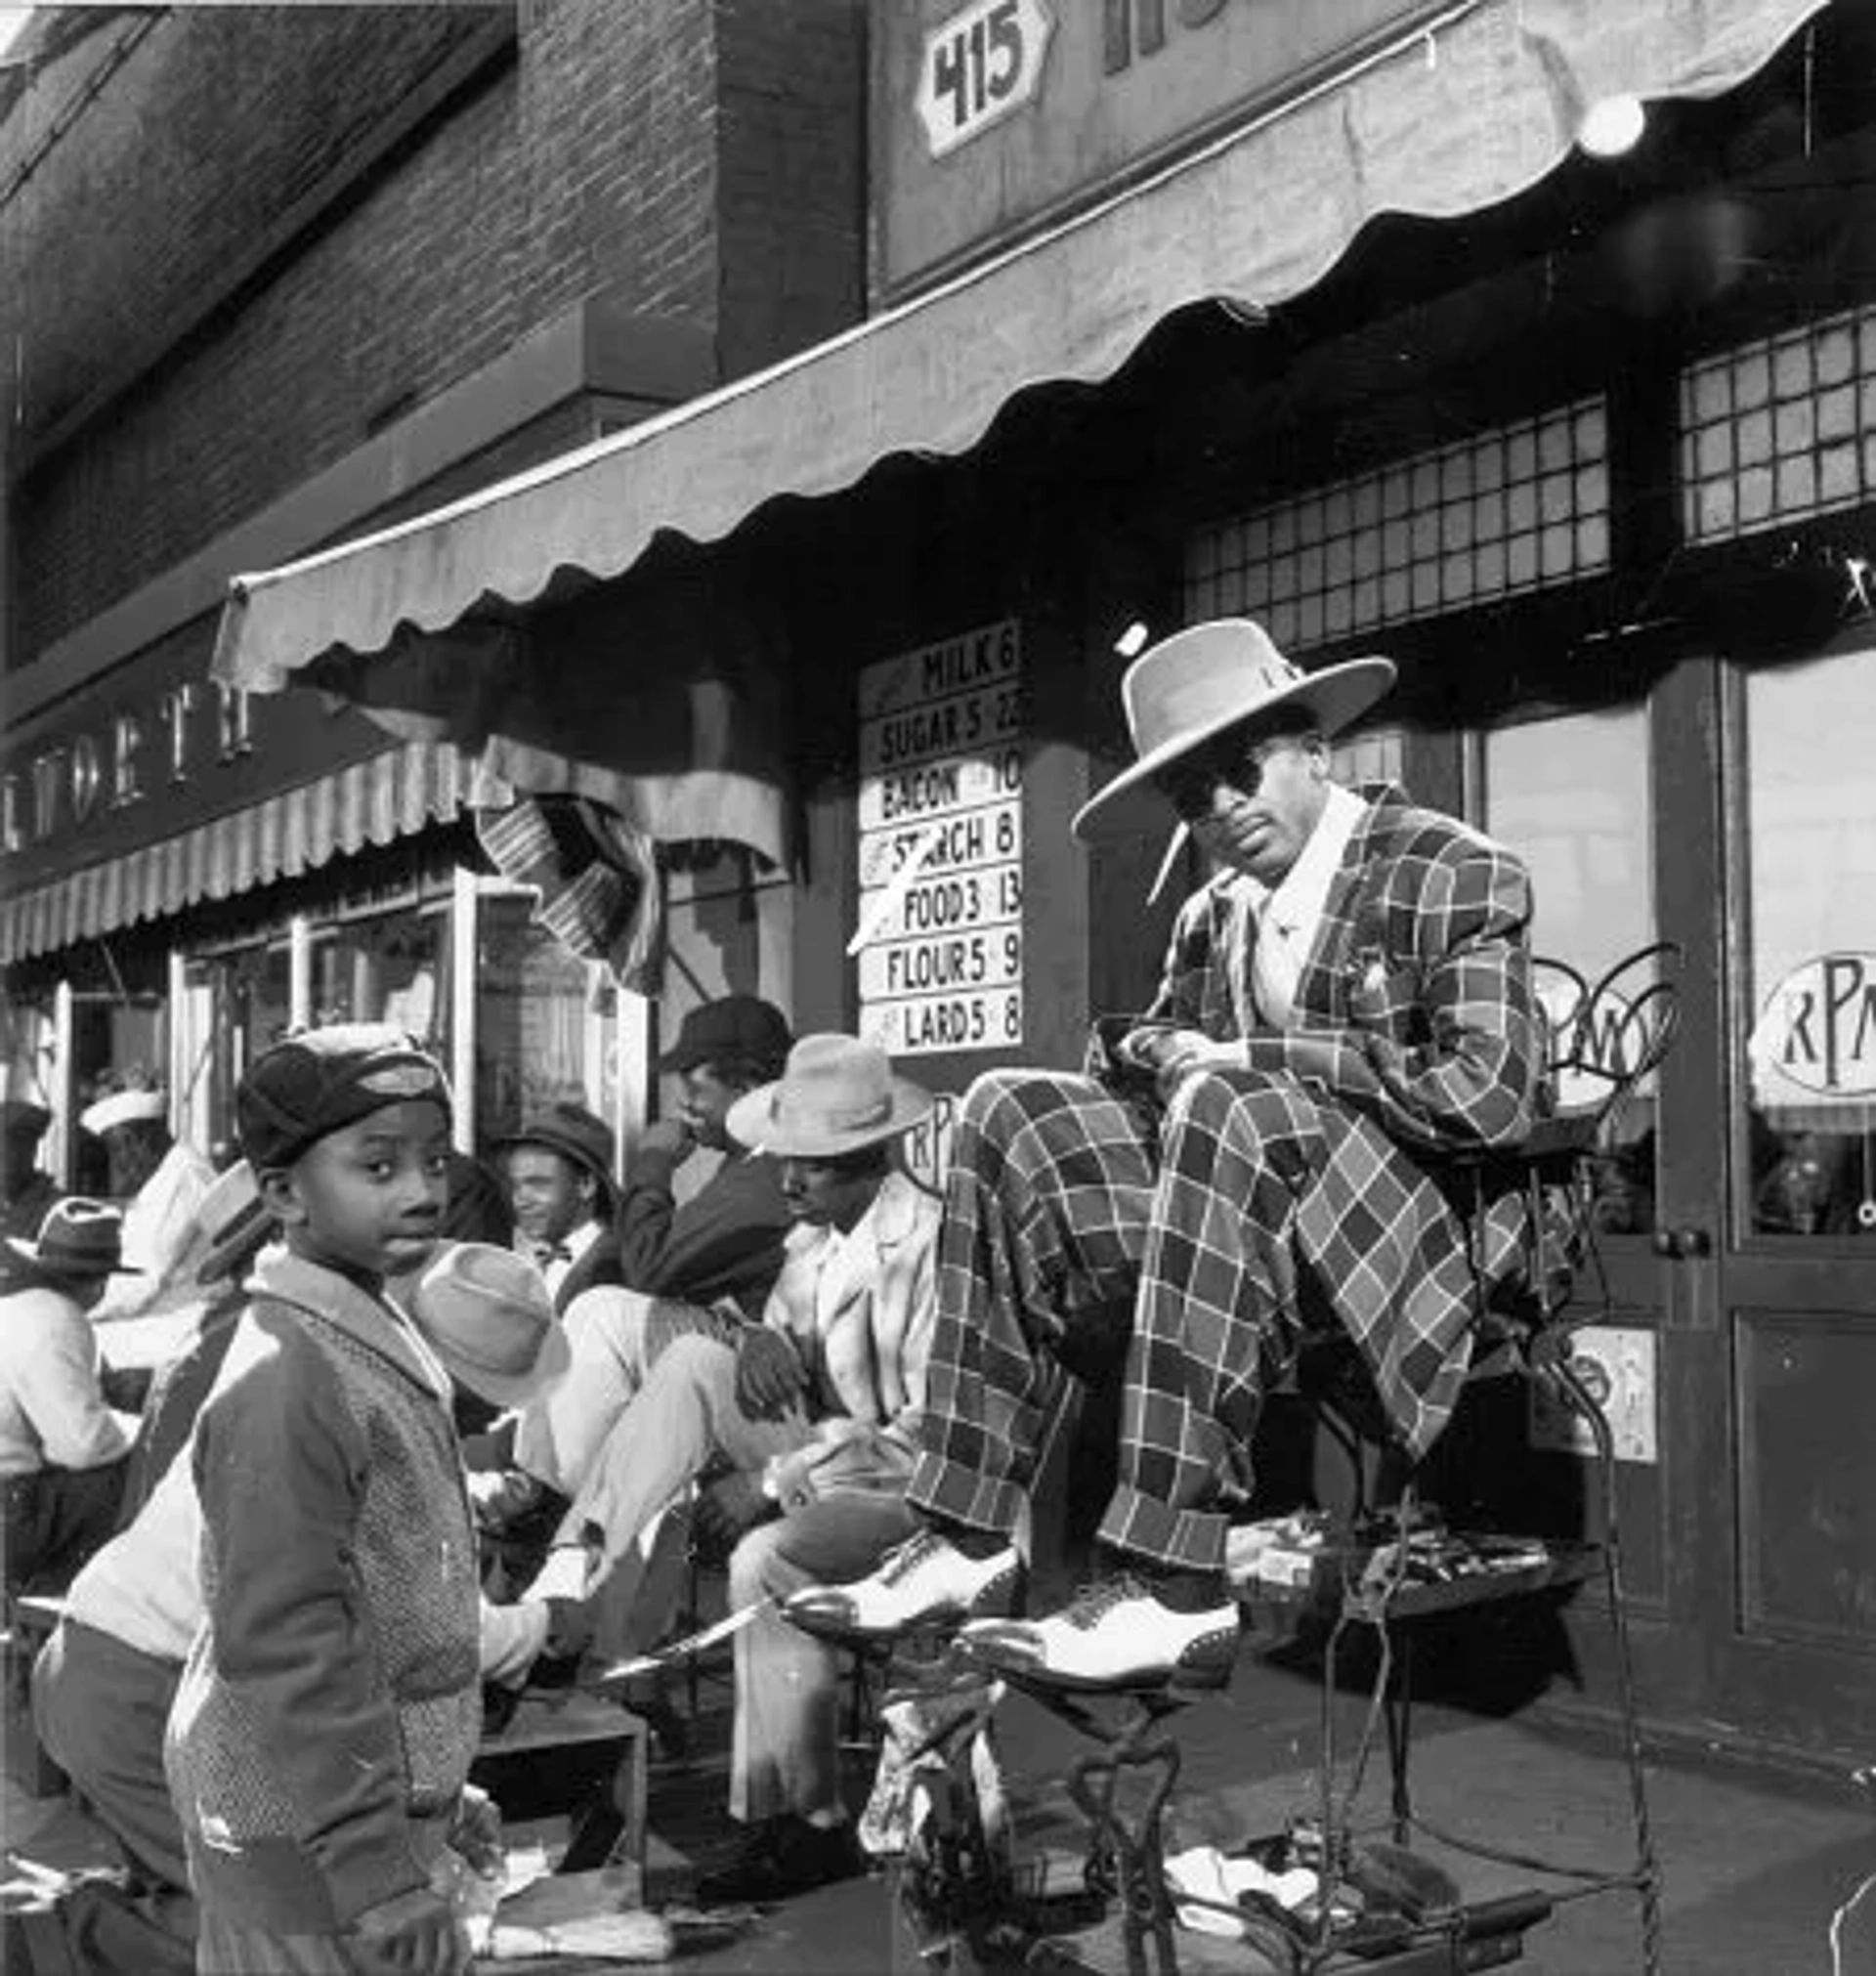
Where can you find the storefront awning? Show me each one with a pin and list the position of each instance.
(1464, 113)
(373, 801)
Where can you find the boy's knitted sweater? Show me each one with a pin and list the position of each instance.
(331, 1706)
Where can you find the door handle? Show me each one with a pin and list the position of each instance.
(1682, 1245)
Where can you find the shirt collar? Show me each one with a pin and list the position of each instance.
(374, 1323)
(1298, 898)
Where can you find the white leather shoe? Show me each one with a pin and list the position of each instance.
(1115, 1634)
(926, 1582)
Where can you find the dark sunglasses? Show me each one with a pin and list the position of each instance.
(1188, 783)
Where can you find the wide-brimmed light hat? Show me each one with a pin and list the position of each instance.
(488, 1314)
(1190, 687)
(78, 1241)
(122, 1107)
(835, 1096)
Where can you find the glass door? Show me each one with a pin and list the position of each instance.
(1730, 808)
(1793, 1552)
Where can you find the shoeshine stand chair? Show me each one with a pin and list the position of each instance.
(1607, 1038)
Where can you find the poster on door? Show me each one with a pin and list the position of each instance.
(1616, 1364)
(938, 939)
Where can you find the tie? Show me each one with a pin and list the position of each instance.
(547, 1253)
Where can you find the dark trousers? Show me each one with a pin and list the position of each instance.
(54, 1519)
(100, 1707)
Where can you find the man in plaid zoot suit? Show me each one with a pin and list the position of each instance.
(1349, 998)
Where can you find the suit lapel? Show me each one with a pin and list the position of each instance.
(1322, 988)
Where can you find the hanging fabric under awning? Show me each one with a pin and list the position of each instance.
(374, 801)
(1464, 113)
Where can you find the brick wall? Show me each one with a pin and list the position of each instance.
(691, 158)
(791, 156)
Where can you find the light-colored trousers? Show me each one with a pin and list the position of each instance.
(615, 1336)
(786, 1753)
(684, 1424)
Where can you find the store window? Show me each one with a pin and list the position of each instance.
(1571, 795)
(536, 1024)
(1810, 1072)
(236, 1003)
(387, 967)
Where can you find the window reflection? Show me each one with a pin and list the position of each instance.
(392, 967)
(1571, 795)
(1810, 1127)
(531, 1019)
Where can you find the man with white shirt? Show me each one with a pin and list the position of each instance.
(1346, 999)
(63, 1451)
(560, 1179)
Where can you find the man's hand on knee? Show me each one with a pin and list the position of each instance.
(769, 1373)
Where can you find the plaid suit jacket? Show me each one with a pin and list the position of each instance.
(1414, 1011)
(1415, 1003)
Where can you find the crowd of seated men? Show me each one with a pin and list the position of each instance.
(847, 1375)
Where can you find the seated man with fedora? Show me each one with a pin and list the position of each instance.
(1347, 1000)
(62, 1449)
(817, 1399)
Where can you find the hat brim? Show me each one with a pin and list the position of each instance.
(548, 1142)
(230, 1243)
(749, 1123)
(27, 1252)
(508, 1389)
(1132, 806)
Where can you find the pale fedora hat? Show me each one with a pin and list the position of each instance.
(835, 1096)
(488, 1314)
(1190, 687)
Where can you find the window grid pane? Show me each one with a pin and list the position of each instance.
(1517, 508)
(1771, 431)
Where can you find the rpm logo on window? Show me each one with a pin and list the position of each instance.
(979, 66)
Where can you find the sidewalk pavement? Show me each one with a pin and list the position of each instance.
(1754, 1864)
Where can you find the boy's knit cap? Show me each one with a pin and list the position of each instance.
(322, 1079)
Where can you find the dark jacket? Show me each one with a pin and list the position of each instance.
(724, 1241)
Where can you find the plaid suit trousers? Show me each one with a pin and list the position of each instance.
(1058, 1205)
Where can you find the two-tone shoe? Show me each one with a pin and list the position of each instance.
(925, 1583)
(1116, 1634)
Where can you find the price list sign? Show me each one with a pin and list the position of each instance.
(939, 938)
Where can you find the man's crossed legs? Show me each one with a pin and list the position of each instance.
(1059, 1212)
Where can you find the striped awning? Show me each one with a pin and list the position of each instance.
(1454, 116)
(374, 801)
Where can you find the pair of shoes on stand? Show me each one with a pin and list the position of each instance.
(1131, 1629)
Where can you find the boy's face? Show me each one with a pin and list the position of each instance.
(369, 1197)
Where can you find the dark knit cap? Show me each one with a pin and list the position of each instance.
(323, 1079)
(733, 1029)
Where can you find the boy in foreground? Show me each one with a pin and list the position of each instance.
(330, 1707)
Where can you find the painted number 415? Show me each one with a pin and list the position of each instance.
(979, 66)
